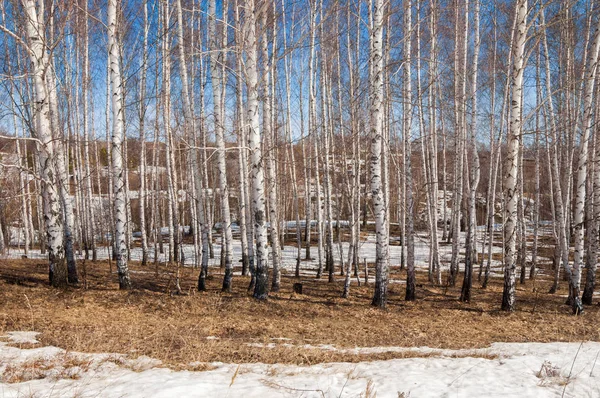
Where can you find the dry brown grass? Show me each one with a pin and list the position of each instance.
(62, 366)
(177, 330)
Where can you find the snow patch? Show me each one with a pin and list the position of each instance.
(22, 337)
(503, 369)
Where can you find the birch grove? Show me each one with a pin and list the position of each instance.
(403, 141)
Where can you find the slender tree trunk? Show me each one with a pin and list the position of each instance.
(460, 98)
(376, 127)
(409, 235)
(242, 150)
(536, 207)
(561, 217)
(117, 139)
(590, 81)
(471, 251)
(305, 160)
(202, 200)
(89, 193)
(288, 132)
(312, 127)
(142, 116)
(22, 177)
(514, 139)
(23, 181)
(172, 186)
(216, 60)
(433, 149)
(61, 173)
(521, 236)
(269, 146)
(256, 159)
(52, 212)
(325, 134)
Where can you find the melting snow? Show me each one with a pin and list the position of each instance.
(503, 369)
(22, 337)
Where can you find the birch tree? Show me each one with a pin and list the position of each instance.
(312, 131)
(242, 152)
(62, 179)
(256, 157)
(171, 169)
(557, 184)
(142, 126)
(433, 141)
(269, 139)
(117, 139)
(460, 99)
(376, 127)
(38, 56)
(582, 174)
(409, 234)
(470, 251)
(512, 157)
(216, 61)
(291, 157)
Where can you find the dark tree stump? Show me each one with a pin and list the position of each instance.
(298, 288)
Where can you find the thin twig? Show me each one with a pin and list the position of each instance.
(594, 365)
(571, 371)
(273, 384)
(30, 311)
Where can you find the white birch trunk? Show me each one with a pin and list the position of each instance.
(435, 257)
(590, 81)
(242, 158)
(61, 172)
(491, 189)
(256, 158)
(325, 99)
(117, 139)
(52, 212)
(460, 98)
(188, 125)
(307, 180)
(376, 127)
(172, 205)
(471, 249)
(23, 183)
(536, 207)
(216, 59)
(590, 282)
(408, 236)
(24, 225)
(288, 131)
(312, 131)
(514, 139)
(142, 116)
(86, 140)
(561, 216)
(269, 147)
(425, 165)
(353, 186)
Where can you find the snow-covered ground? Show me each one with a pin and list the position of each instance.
(502, 370)
(289, 254)
(309, 268)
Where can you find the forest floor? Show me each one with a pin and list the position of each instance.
(188, 331)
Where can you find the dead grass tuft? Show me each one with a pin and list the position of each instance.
(61, 366)
(370, 391)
